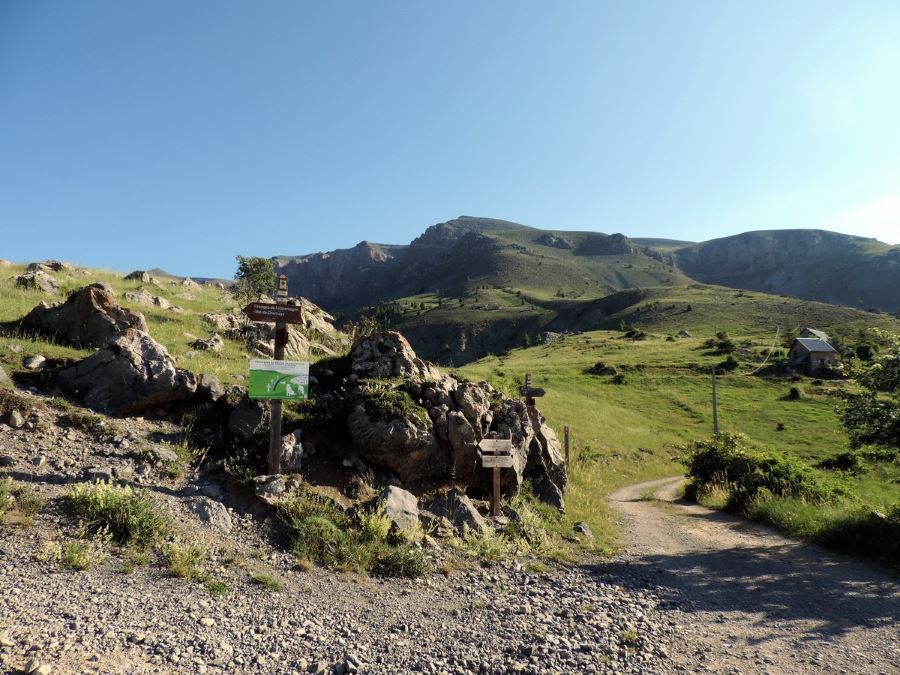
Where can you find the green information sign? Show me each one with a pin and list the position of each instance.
(285, 380)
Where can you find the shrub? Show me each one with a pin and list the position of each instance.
(320, 531)
(384, 402)
(130, 516)
(401, 561)
(845, 461)
(267, 581)
(793, 394)
(83, 552)
(746, 474)
(185, 560)
(618, 378)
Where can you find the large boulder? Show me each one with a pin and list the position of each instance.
(404, 444)
(50, 266)
(139, 275)
(400, 506)
(131, 374)
(389, 354)
(37, 280)
(458, 509)
(90, 317)
(248, 418)
(427, 431)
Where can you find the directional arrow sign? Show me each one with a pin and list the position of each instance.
(265, 311)
(496, 446)
(532, 392)
(497, 461)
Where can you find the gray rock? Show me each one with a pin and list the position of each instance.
(583, 529)
(400, 505)
(101, 473)
(141, 296)
(210, 387)
(272, 489)
(389, 354)
(211, 512)
(15, 419)
(214, 343)
(4, 378)
(292, 452)
(90, 317)
(458, 509)
(35, 362)
(132, 374)
(163, 455)
(139, 275)
(247, 419)
(38, 280)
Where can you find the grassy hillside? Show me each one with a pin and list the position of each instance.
(175, 329)
(636, 430)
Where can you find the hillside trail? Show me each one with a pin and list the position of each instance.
(749, 600)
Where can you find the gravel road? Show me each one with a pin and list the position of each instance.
(749, 600)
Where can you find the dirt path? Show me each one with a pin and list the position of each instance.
(749, 600)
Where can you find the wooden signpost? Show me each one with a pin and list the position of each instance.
(496, 454)
(281, 314)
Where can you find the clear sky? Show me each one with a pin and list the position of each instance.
(179, 134)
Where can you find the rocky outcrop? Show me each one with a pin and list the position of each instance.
(50, 266)
(426, 430)
(90, 317)
(606, 244)
(132, 374)
(138, 275)
(37, 280)
(554, 241)
(386, 355)
(213, 343)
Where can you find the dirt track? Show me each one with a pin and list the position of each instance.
(752, 601)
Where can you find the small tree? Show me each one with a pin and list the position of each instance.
(526, 341)
(254, 277)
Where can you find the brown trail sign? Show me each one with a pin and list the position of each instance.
(281, 315)
(496, 454)
(269, 313)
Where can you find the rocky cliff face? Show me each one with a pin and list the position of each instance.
(810, 264)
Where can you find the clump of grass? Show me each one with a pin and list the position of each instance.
(133, 558)
(100, 428)
(321, 532)
(84, 551)
(487, 544)
(131, 516)
(267, 581)
(406, 560)
(535, 567)
(19, 504)
(217, 588)
(185, 560)
(384, 402)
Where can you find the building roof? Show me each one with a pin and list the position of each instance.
(815, 333)
(814, 345)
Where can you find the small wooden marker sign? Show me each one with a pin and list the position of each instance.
(497, 461)
(496, 454)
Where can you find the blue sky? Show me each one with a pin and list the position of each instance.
(180, 134)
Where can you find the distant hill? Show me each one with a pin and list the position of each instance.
(455, 257)
(472, 286)
(810, 264)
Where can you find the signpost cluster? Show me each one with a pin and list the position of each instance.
(276, 379)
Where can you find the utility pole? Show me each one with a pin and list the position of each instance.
(715, 402)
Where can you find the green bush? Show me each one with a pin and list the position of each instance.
(321, 532)
(723, 460)
(129, 515)
(185, 560)
(384, 402)
(401, 561)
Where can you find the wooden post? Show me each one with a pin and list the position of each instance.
(495, 494)
(566, 434)
(275, 422)
(715, 402)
